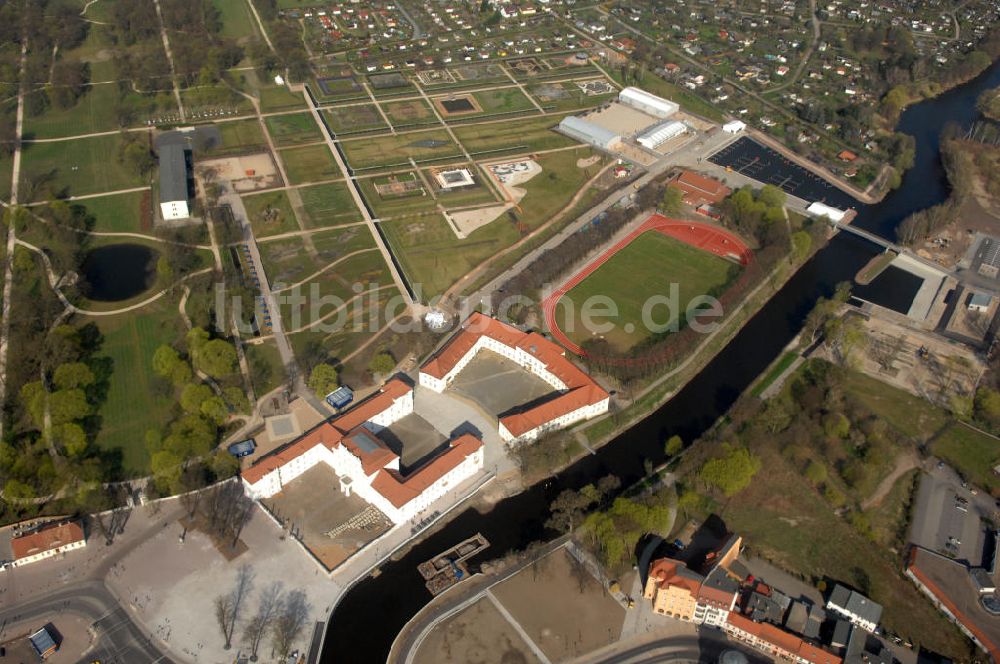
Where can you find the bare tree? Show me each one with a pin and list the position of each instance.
(267, 609)
(228, 606)
(290, 621)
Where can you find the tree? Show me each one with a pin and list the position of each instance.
(381, 365)
(258, 625)
(73, 374)
(816, 472)
(772, 196)
(323, 379)
(567, 510)
(215, 409)
(72, 438)
(193, 396)
(673, 445)
(673, 200)
(167, 363)
(217, 358)
(68, 405)
(229, 605)
(288, 623)
(987, 405)
(732, 472)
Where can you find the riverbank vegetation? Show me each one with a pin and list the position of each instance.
(827, 448)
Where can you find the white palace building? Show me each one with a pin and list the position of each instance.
(365, 466)
(578, 398)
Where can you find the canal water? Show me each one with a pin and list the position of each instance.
(364, 624)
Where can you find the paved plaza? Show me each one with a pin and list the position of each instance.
(499, 385)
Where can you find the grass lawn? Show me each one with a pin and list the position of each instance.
(908, 414)
(520, 135)
(504, 100)
(972, 453)
(237, 136)
(293, 129)
(236, 18)
(328, 205)
(889, 519)
(94, 112)
(309, 164)
(288, 261)
(120, 212)
(353, 119)
(266, 370)
(430, 253)
(279, 98)
(412, 112)
(779, 368)
(380, 151)
(78, 167)
(780, 515)
(433, 258)
(270, 213)
(325, 293)
(212, 98)
(6, 173)
(355, 328)
(647, 267)
(132, 405)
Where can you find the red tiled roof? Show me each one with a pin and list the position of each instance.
(373, 454)
(783, 640)
(699, 189)
(331, 432)
(48, 537)
(581, 388)
(400, 490)
(367, 447)
(667, 572)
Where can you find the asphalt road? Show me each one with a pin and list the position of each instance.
(706, 647)
(119, 640)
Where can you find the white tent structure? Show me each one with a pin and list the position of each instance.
(648, 103)
(589, 132)
(660, 133)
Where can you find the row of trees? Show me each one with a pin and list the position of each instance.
(182, 457)
(281, 615)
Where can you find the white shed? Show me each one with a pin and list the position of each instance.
(734, 127)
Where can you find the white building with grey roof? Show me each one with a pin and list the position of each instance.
(173, 182)
(855, 607)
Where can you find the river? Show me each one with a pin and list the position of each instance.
(365, 622)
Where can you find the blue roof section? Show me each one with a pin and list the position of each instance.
(42, 642)
(243, 448)
(340, 397)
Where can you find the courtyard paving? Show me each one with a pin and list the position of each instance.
(497, 384)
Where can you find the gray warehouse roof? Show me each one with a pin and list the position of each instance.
(594, 133)
(173, 173)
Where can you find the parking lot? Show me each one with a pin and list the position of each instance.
(948, 516)
(748, 157)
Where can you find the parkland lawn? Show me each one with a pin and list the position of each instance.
(293, 129)
(646, 267)
(133, 405)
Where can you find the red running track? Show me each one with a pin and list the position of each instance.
(700, 235)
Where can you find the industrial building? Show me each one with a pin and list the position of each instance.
(660, 133)
(589, 133)
(174, 182)
(648, 103)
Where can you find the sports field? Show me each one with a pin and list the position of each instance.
(646, 267)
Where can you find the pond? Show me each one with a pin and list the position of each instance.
(117, 272)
